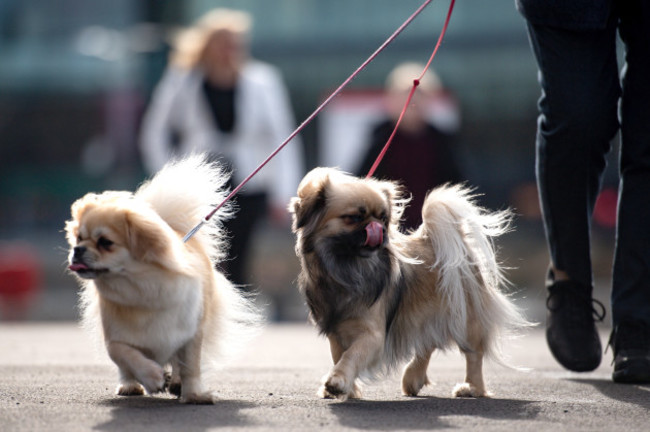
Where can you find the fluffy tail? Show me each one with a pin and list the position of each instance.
(461, 235)
(239, 321)
(184, 192)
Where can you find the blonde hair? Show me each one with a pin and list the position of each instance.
(189, 44)
(401, 78)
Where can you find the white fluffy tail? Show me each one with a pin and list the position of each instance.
(184, 192)
(240, 322)
(461, 234)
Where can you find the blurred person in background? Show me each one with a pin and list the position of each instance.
(214, 98)
(583, 105)
(420, 156)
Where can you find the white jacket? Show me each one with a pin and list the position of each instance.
(263, 121)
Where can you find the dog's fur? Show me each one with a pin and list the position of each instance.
(400, 296)
(157, 301)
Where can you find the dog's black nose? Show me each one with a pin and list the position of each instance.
(78, 252)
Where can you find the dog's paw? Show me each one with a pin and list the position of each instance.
(468, 390)
(412, 383)
(324, 394)
(154, 380)
(337, 387)
(356, 393)
(130, 389)
(206, 398)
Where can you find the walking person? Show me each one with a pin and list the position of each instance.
(584, 104)
(214, 98)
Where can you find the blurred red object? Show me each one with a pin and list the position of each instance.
(20, 280)
(605, 210)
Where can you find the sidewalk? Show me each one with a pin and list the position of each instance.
(52, 380)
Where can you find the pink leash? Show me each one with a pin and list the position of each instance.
(392, 37)
(416, 83)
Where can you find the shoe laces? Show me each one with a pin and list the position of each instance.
(581, 311)
(575, 297)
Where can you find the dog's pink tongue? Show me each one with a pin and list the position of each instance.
(374, 234)
(77, 267)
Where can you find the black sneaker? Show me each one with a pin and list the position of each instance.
(630, 341)
(571, 331)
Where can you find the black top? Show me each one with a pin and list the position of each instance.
(222, 105)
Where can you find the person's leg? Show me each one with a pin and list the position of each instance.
(240, 229)
(631, 282)
(578, 120)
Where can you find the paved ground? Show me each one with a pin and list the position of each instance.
(51, 379)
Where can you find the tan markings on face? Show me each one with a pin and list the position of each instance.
(82, 233)
(101, 230)
(351, 205)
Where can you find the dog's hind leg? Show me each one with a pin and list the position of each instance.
(415, 374)
(474, 386)
(175, 385)
(189, 360)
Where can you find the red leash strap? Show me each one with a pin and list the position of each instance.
(416, 82)
(320, 108)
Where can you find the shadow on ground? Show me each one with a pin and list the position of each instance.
(638, 394)
(166, 413)
(428, 412)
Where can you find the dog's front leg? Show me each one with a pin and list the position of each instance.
(189, 362)
(135, 366)
(365, 342)
(129, 385)
(337, 351)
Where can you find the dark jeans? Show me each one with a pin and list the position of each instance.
(251, 209)
(581, 104)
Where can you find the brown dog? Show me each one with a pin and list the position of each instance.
(157, 301)
(383, 297)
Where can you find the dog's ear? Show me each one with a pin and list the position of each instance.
(149, 241)
(311, 199)
(397, 201)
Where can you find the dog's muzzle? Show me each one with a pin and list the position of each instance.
(77, 263)
(80, 267)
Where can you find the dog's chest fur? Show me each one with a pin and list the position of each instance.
(158, 328)
(342, 286)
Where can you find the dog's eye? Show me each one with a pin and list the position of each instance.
(351, 219)
(104, 243)
(78, 239)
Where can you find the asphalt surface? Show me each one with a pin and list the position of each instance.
(52, 379)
